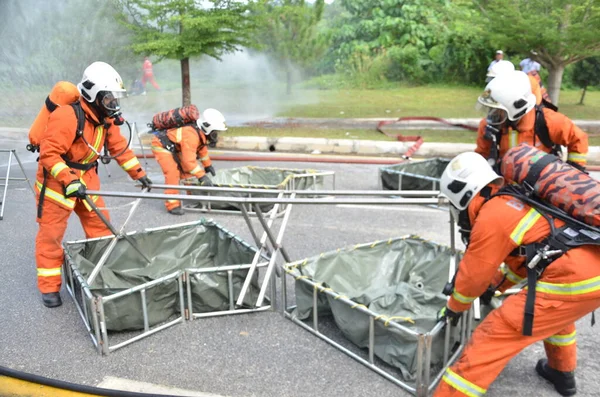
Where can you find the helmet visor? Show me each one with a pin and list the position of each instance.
(496, 116)
(110, 100)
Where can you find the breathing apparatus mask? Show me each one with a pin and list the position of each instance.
(107, 103)
(212, 137)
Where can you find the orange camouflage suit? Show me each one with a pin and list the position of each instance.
(561, 129)
(568, 289)
(190, 145)
(59, 144)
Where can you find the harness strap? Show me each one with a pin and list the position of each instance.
(42, 194)
(536, 169)
(529, 302)
(51, 106)
(80, 166)
(170, 146)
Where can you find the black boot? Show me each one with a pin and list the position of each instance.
(177, 211)
(564, 382)
(51, 299)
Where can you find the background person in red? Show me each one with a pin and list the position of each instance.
(148, 75)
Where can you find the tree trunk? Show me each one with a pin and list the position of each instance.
(288, 75)
(186, 92)
(554, 81)
(583, 95)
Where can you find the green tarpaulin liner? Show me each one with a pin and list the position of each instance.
(191, 246)
(413, 175)
(261, 178)
(400, 279)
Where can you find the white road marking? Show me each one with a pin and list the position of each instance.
(111, 382)
(406, 208)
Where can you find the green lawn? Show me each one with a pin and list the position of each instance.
(459, 136)
(447, 102)
(18, 108)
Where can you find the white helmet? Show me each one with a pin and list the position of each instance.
(465, 176)
(211, 120)
(101, 78)
(499, 68)
(510, 92)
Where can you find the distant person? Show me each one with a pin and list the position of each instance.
(532, 68)
(527, 65)
(499, 57)
(148, 75)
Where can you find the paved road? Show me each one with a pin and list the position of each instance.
(259, 354)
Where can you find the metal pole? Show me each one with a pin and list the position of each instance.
(263, 243)
(3, 203)
(113, 243)
(285, 200)
(216, 189)
(24, 173)
(249, 223)
(371, 340)
(112, 228)
(267, 228)
(137, 133)
(278, 247)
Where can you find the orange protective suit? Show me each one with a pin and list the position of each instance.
(190, 145)
(566, 291)
(560, 128)
(60, 142)
(148, 75)
(539, 90)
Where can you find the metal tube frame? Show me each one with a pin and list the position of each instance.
(12, 153)
(424, 384)
(288, 185)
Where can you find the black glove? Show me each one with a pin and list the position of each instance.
(448, 315)
(486, 297)
(146, 182)
(210, 170)
(205, 181)
(75, 189)
(578, 166)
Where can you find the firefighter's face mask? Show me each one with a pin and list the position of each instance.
(110, 105)
(464, 224)
(213, 137)
(496, 116)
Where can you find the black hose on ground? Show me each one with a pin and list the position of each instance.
(59, 384)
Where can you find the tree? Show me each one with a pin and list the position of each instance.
(182, 29)
(586, 73)
(289, 33)
(554, 33)
(398, 32)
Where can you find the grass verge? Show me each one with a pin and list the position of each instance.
(445, 136)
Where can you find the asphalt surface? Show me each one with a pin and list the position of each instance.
(258, 354)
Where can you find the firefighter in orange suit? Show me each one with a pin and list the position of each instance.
(178, 149)
(566, 290)
(537, 89)
(68, 166)
(511, 120)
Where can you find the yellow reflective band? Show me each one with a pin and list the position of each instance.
(524, 225)
(510, 275)
(94, 199)
(159, 149)
(562, 340)
(462, 299)
(134, 162)
(577, 157)
(57, 168)
(49, 272)
(196, 170)
(205, 158)
(178, 137)
(97, 144)
(513, 138)
(578, 288)
(58, 197)
(462, 385)
(172, 201)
